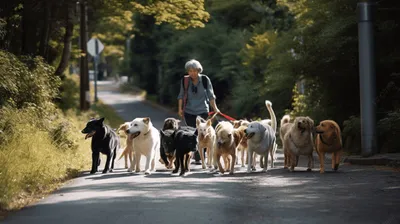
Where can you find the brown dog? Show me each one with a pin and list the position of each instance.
(284, 128)
(299, 141)
(328, 140)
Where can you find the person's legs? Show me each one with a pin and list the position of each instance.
(191, 121)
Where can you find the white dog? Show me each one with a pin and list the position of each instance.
(261, 139)
(146, 141)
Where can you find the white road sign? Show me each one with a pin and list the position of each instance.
(94, 47)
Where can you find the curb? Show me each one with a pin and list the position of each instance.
(377, 161)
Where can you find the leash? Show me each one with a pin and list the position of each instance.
(223, 115)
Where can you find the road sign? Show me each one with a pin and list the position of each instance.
(94, 47)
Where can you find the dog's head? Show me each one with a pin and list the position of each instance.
(186, 137)
(327, 128)
(304, 124)
(255, 128)
(167, 141)
(92, 126)
(241, 122)
(124, 127)
(171, 123)
(139, 126)
(225, 133)
(203, 126)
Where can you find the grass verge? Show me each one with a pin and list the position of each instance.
(48, 152)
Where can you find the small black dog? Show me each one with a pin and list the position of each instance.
(185, 143)
(168, 147)
(169, 124)
(104, 140)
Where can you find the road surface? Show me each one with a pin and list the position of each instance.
(354, 194)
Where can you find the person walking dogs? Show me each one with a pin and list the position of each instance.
(195, 95)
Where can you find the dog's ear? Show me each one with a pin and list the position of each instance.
(101, 120)
(310, 123)
(198, 121)
(146, 120)
(261, 127)
(209, 123)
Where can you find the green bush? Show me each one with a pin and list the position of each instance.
(388, 132)
(26, 81)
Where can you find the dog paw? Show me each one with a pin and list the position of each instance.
(248, 171)
(137, 171)
(322, 171)
(110, 171)
(285, 167)
(309, 170)
(175, 171)
(336, 167)
(147, 172)
(242, 166)
(130, 170)
(231, 173)
(104, 171)
(182, 174)
(92, 172)
(253, 169)
(264, 171)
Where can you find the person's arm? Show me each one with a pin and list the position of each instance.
(180, 101)
(211, 96)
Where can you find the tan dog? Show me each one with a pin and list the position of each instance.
(328, 140)
(299, 141)
(128, 150)
(225, 145)
(206, 140)
(241, 142)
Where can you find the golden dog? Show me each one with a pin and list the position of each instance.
(128, 150)
(299, 141)
(328, 140)
(225, 145)
(284, 128)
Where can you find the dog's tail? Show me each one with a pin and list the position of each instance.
(268, 104)
(285, 119)
(124, 153)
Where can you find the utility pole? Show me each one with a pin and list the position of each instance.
(367, 72)
(84, 74)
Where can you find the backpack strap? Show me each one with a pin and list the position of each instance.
(204, 80)
(185, 83)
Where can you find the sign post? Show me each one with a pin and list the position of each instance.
(95, 47)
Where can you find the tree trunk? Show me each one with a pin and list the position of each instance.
(29, 29)
(69, 28)
(45, 36)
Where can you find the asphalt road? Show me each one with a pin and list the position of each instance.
(354, 194)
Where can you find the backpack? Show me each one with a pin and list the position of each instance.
(185, 83)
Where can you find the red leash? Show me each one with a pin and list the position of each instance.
(224, 115)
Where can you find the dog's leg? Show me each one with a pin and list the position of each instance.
(187, 162)
(337, 159)
(130, 156)
(203, 166)
(95, 162)
(242, 156)
(272, 157)
(209, 155)
(233, 162)
(106, 167)
(137, 160)
(310, 162)
(219, 163)
(250, 160)
(262, 162)
(113, 160)
(321, 157)
(253, 167)
(182, 164)
(292, 162)
(265, 168)
(126, 161)
(147, 166)
(177, 164)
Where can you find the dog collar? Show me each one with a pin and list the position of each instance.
(322, 140)
(147, 132)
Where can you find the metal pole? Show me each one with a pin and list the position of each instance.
(96, 49)
(84, 76)
(367, 77)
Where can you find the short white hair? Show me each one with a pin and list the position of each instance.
(194, 64)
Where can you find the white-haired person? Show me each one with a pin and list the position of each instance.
(199, 95)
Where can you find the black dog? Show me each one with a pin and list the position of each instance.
(104, 140)
(169, 124)
(185, 143)
(167, 148)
